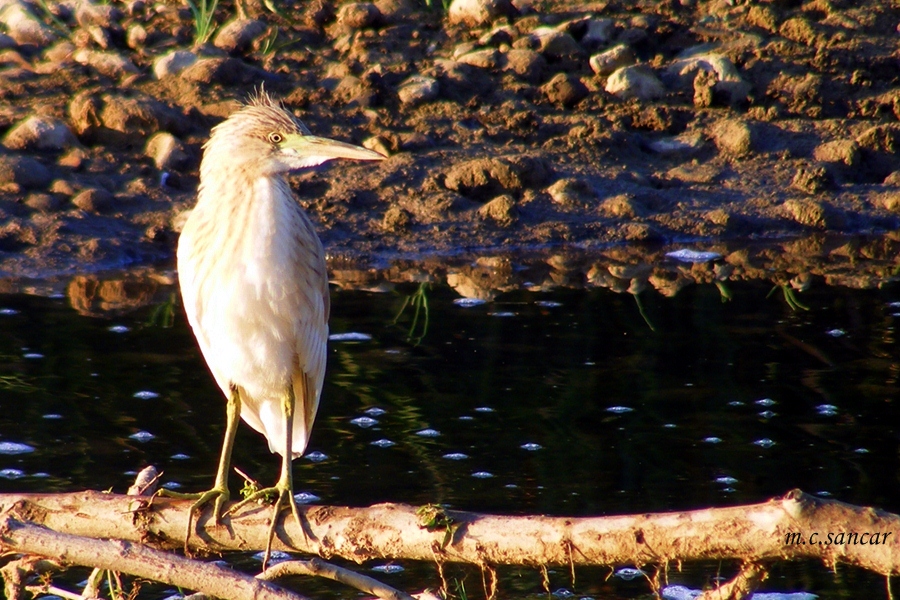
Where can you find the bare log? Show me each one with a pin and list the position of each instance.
(138, 560)
(794, 526)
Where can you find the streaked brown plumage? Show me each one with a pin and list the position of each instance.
(253, 280)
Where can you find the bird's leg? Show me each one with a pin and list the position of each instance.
(284, 489)
(219, 491)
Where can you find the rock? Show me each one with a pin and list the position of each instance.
(23, 26)
(635, 82)
(573, 193)
(237, 36)
(483, 59)
(418, 89)
(564, 89)
(224, 71)
(556, 44)
(881, 138)
(620, 55)
(166, 151)
(528, 65)
(173, 63)
(136, 36)
(380, 145)
(23, 172)
(806, 212)
(44, 202)
(622, 205)
(484, 178)
(800, 30)
(476, 13)
(845, 152)
(94, 200)
(40, 133)
(101, 15)
(498, 36)
(6, 42)
(122, 120)
(396, 220)
(704, 84)
(359, 15)
(599, 32)
(501, 210)
(683, 72)
(762, 16)
(110, 64)
(684, 144)
(733, 136)
(811, 180)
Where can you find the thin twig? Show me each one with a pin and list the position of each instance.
(320, 568)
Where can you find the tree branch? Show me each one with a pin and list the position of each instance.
(320, 568)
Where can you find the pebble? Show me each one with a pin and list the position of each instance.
(733, 136)
(527, 65)
(6, 42)
(224, 71)
(556, 44)
(237, 36)
(599, 32)
(483, 59)
(637, 81)
(45, 202)
(40, 133)
(476, 13)
(23, 172)
(94, 200)
(682, 72)
(605, 63)
(812, 180)
(418, 89)
(845, 152)
(501, 211)
(359, 15)
(136, 36)
(23, 26)
(101, 15)
(484, 178)
(166, 151)
(138, 115)
(173, 63)
(622, 205)
(565, 89)
(395, 220)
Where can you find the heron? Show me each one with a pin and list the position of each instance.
(254, 286)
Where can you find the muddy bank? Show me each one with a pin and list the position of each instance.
(550, 125)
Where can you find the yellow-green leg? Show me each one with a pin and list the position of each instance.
(219, 491)
(284, 489)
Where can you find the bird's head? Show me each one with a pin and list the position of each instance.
(265, 137)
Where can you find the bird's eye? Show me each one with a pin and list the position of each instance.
(276, 138)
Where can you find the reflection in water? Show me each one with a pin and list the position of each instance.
(561, 402)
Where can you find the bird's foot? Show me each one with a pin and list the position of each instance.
(218, 494)
(283, 497)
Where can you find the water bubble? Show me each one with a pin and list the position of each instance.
(827, 410)
(351, 336)
(171, 485)
(8, 311)
(142, 436)
(429, 433)
(824, 493)
(12, 473)
(484, 409)
(836, 333)
(374, 411)
(765, 402)
(33, 355)
(712, 440)
(364, 422)
(482, 475)
(502, 314)
(180, 456)
(52, 416)
(15, 448)
(764, 443)
(510, 486)
(548, 304)
(41, 475)
(726, 480)
(629, 573)
(466, 418)
(469, 302)
(316, 456)
(119, 328)
(531, 447)
(456, 456)
(306, 498)
(670, 426)
(619, 410)
(383, 443)
(736, 403)
(388, 569)
(563, 593)
(862, 450)
(146, 395)
(767, 414)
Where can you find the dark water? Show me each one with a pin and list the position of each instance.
(571, 402)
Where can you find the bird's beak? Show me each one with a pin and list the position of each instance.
(315, 150)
